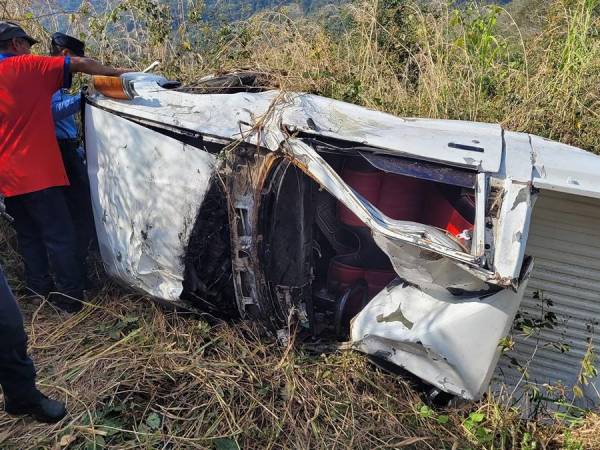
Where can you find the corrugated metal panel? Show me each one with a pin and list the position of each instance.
(564, 239)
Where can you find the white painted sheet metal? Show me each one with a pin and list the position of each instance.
(450, 342)
(564, 239)
(563, 168)
(468, 144)
(557, 166)
(234, 116)
(146, 191)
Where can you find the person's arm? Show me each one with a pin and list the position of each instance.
(64, 106)
(93, 67)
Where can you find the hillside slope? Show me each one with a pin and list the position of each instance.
(137, 376)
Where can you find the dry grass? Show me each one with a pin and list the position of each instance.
(137, 376)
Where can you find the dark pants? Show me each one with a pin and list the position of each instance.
(78, 196)
(45, 231)
(17, 374)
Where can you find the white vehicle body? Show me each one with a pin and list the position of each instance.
(152, 160)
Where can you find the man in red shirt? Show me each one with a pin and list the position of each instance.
(32, 177)
(32, 173)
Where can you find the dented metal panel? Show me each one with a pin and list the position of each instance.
(451, 342)
(146, 191)
(467, 144)
(563, 296)
(515, 180)
(562, 168)
(445, 321)
(472, 144)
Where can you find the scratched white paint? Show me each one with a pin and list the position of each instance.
(146, 191)
(450, 342)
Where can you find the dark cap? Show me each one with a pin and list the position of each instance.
(68, 42)
(9, 30)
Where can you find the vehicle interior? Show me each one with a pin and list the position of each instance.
(295, 250)
(316, 254)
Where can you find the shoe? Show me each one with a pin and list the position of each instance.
(42, 408)
(40, 286)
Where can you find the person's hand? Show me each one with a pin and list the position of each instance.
(3, 212)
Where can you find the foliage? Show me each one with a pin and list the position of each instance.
(136, 376)
(464, 60)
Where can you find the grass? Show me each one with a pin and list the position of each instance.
(135, 375)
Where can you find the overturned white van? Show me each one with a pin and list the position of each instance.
(419, 240)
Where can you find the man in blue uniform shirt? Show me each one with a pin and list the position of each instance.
(64, 109)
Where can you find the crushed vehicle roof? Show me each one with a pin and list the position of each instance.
(473, 145)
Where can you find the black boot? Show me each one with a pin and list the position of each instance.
(42, 408)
